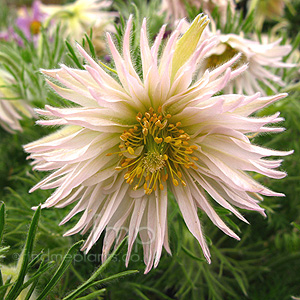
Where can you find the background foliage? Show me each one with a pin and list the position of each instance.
(265, 264)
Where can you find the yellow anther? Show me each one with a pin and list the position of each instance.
(194, 147)
(178, 124)
(165, 157)
(158, 140)
(124, 164)
(123, 137)
(165, 177)
(195, 158)
(179, 174)
(182, 136)
(136, 187)
(121, 146)
(158, 123)
(177, 143)
(146, 124)
(126, 176)
(145, 186)
(130, 150)
(168, 139)
(138, 118)
(161, 187)
(118, 168)
(184, 143)
(147, 115)
(175, 182)
(188, 151)
(109, 154)
(151, 110)
(145, 131)
(183, 183)
(159, 109)
(168, 116)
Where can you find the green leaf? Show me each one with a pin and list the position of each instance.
(296, 225)
(61, 270)
(73, 56)
(189, 253)
(91, 46)
(102, 281)
(92, 296)
(2, 220)
(89, 282)
(16, 288)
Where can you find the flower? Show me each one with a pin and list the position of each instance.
(31, 24)
(78, 17)
(262, 60)
(267, 9)
(132, 137)
(176, 9)
(10, 106)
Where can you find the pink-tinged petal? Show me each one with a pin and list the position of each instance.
(135, 221)
(161, 211)
(189, 212)
(203, 203)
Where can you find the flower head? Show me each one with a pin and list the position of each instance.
(31, 23)
(176, 9)
(78, 17)
(262, 60)
(10, 106)
(267, 9)
(132, 137)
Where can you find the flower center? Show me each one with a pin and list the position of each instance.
(216, 60)
(35, 27)
(154, 150)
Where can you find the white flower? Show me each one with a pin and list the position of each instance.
(130, 139)
(176, 9)
(11, 109)
(262, 60)
(78, 17)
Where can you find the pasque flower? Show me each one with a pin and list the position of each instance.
(132, 137)
(176, 9)
(77, 18)
(12, 109)
(29, 21)
(263, 60)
